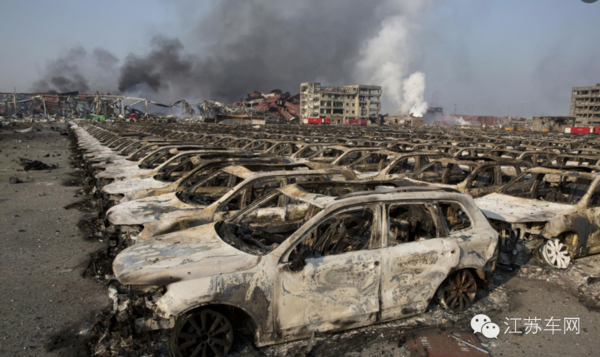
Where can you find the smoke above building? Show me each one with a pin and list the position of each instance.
(236, 47)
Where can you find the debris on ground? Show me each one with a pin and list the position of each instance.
(25, 131)
(444, 343)
(36, 165)
(14, 180)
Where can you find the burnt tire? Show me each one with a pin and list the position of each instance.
(458, 291)
(202, 333)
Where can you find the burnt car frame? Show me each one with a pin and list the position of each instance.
(344, 263)
(555, 212)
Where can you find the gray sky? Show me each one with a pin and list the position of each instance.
(484, 56)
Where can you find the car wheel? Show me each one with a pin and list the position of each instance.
(202, 333)
(458, 291)
(555, 254)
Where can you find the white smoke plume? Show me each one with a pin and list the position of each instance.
(414, 101)
(386, 59)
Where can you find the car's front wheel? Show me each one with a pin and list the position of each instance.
(458, 291)
(202, 333)
(555, 253)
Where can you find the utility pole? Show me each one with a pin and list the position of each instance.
(15, 99)
(455, 110)
(521, 109)
(44, 104)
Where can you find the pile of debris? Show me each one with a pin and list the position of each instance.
(277, 103)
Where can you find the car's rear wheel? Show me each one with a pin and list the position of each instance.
(556, 254)
(458, 291)
(201, 333)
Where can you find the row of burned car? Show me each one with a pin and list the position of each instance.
(285, 234)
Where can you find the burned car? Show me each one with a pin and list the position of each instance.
(294, 263)
(554, 212)
(475, 176)
(387, 165)
(169, 181)
(231, 188)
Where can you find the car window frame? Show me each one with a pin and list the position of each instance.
(443, 218)
(377, 217)
(439, 225)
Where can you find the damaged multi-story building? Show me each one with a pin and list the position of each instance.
(357, 101)
(552, 123)
(585, 105)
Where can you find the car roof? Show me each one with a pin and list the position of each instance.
(296, 191)
(245, 173)
(579, 171)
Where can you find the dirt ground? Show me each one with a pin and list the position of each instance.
(45, 303)
(47, 308)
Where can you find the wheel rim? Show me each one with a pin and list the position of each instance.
(460, 291)
(203, 333)
(556, 254)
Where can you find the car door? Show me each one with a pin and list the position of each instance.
(416, 260)
(593, 212)
(330, 280)
(483, 181)
(402, 168)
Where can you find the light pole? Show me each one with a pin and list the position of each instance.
(521, 109)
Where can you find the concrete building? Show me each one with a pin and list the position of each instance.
(552, 123)
(338, 103)
(433, 114)
(585, 105)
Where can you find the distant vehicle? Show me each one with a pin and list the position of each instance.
(307, 121)
(358, 122)
(582, 130)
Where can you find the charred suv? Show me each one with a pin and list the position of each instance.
(551, 211)
(296, 262)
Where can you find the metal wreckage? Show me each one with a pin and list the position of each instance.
(274, 107)
(285, 231)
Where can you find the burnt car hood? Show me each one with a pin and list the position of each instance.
(124, 172)
(185, 255)
(150, 209)
(520, 210)
(135, 184)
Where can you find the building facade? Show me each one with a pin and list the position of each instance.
(339, 103)
(585, 105)
(552, 123)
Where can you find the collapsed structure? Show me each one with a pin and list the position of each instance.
(276, 103)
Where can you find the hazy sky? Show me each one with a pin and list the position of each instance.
(485, 56)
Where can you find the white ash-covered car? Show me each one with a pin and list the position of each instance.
(230, 188)
(172, 169)
(174, 179)
(296, 262)
(147, 163)
(555, 212)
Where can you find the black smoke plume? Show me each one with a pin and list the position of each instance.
(240, 46)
